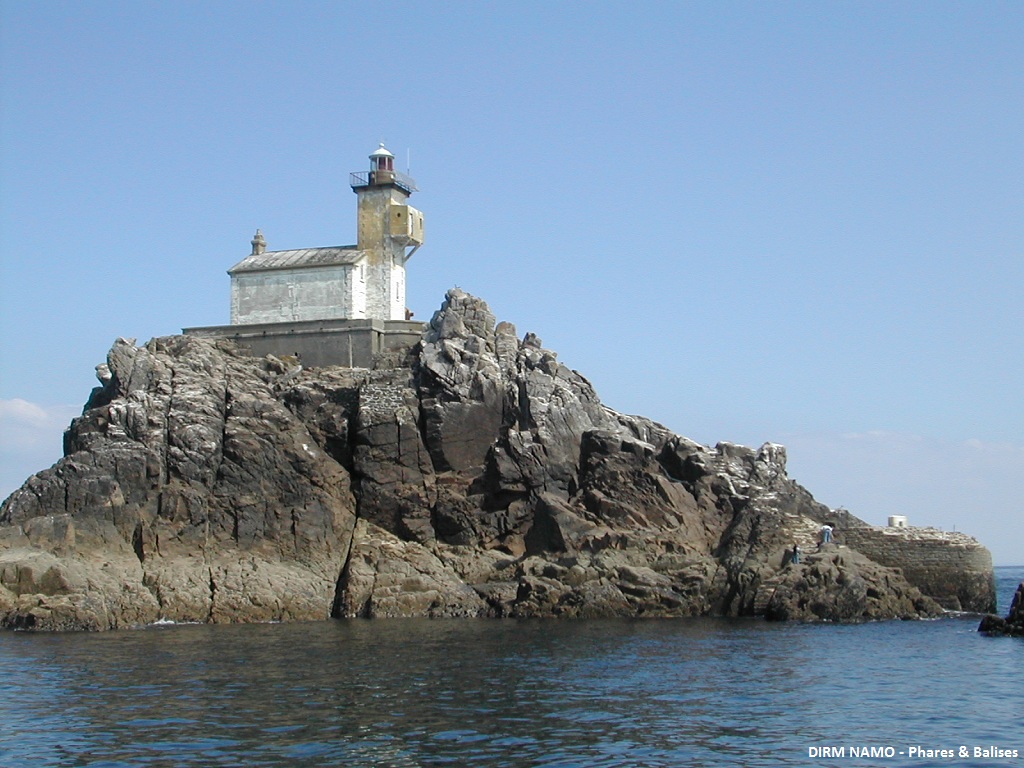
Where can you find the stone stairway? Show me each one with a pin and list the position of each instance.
(765, 590)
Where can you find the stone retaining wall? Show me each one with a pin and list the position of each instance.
(320, 343)
(953, 568)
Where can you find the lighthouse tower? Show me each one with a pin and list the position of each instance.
(389, 232)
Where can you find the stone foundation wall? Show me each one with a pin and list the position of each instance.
(953, 568)
(320, 343)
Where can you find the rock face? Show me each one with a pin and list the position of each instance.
(477, 476)
(188, 492)
(1013, 624)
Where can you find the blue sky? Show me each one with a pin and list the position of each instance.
(796, 222)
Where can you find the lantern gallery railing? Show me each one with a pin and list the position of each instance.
(367, 178)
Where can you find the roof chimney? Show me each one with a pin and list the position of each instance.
(259, 245)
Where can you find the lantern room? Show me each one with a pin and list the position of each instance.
(382, 173)
(382, 166)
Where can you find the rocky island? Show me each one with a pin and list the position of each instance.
(471, 474)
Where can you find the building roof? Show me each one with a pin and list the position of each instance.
(298, 259)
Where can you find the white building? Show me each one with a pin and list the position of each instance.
(338, 305)
(362, 281)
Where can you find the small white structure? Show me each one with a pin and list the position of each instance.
(897, 521)
(349, 282)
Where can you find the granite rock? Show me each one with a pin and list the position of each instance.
(475, 476)
(1013, 624)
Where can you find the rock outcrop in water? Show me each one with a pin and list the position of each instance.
(1013, 624)
(476, 476)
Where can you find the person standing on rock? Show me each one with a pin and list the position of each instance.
(826, 534)
(796, 554)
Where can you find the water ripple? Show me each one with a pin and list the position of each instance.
(410, 693)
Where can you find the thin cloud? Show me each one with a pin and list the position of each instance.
(31, 439)
(22, 412)
(25, 425)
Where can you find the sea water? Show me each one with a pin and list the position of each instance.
(587, 693)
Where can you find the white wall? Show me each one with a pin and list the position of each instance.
(297, 294)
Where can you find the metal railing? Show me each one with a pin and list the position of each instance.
(362, 179)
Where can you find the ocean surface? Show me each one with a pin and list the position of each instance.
(687, 692)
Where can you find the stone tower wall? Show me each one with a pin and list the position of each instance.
(385, 285)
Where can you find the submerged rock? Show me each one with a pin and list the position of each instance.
(478, 476)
